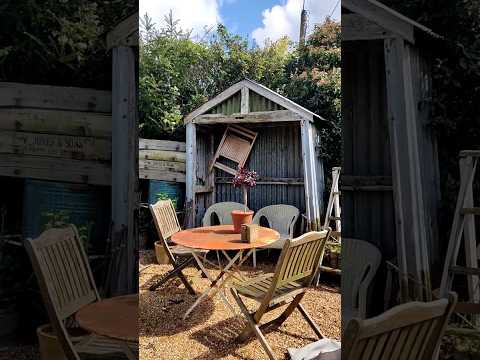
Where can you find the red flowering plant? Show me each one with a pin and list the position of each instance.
(244, 179)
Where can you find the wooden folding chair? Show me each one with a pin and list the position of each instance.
(409, 331)
(236, 144)
(294, 273)
(166, 222)
(66, 284)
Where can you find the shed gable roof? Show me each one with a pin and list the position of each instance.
(387, 18)
(259, 89)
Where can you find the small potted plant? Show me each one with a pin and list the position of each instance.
(243, 179)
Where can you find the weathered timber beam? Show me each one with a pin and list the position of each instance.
(356, 27)
(253, 117)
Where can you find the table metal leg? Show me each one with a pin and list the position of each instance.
(207, 274)
(215, 284)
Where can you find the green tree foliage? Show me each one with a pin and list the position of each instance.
(58, 42)
(178, 74)
(456, 83)
(313, 80)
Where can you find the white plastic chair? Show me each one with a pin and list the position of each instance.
(223, 211)
(360, 262)
(281, 218)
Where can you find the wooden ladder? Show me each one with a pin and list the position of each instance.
(463, 227)
(333, 208)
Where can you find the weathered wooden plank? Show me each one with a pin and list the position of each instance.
(407, 179)
(356, 27)
(165, 145)
(124, 170)
(191, 176)
(384, 18)
(58, 146)
(160, 155)
(253, 117)
(244, 105)
(47, 168)
(125, 33)
(162, 165)
(54, 97)
(203, 189)
(155, 174)
(265, 181)
(59, 122)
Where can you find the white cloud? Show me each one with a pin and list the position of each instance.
(193, 14)
(281, 20)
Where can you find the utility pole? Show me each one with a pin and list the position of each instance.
(303, 26)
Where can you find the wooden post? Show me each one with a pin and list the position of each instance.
(406, 171)
(244, 105)
(471, 257)
(312, 202)
(191, 174)
(124, 169)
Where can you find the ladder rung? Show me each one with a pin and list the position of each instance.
(465, 270)
(470, 211)
(335, 218)
(467, 308)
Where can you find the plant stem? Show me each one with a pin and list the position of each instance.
(244, 188)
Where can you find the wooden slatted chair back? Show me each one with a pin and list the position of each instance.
(165, 218)
(300, 259)
(408, 331)
(166, 222)
(64, 276)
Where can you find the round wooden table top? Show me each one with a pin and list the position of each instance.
(116, 318)
(222, 237)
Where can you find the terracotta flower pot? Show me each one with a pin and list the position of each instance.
(239, 218)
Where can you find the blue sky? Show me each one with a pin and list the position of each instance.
(258, 20)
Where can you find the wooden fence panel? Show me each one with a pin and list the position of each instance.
(55, 133)
(162, 160)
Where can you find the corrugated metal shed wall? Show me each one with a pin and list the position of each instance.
(276, 154)
(204, 154)
(229, 106)
(367, 215)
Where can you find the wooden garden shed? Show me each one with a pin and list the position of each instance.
(390, 186)
(284, 154)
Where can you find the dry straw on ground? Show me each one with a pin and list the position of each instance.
(210, 331)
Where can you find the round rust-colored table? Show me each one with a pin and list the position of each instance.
(115, 318)
(222, 238)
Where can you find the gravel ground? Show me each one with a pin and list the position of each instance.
(210, 331)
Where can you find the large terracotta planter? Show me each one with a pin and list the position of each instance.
(161, 253)
(239, 218)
